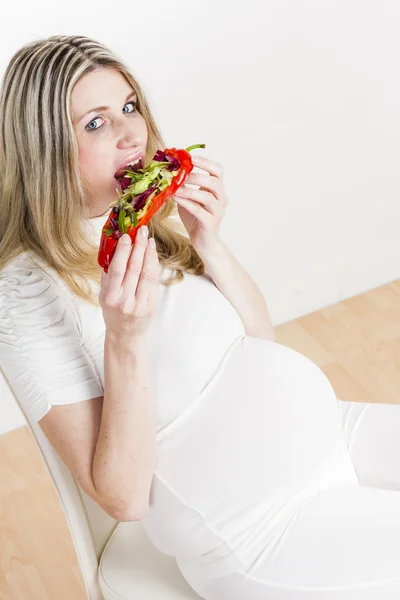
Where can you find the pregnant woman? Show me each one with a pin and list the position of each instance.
(159, 383)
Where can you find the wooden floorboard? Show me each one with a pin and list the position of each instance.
(37, 557)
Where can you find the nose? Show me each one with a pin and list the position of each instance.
(127, 135)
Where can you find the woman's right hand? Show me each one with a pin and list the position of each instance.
(128, 294)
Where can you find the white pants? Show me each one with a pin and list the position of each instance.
(346, 541)
(269, 487)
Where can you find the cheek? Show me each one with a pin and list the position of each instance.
(141, 131)
(85, 160)
(91, 163)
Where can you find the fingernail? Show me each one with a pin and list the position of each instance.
(125, 239)
(143, 232)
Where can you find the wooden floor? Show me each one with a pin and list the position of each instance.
(357, 345)
(355, 342)
(37, 558)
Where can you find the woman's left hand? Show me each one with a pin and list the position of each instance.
(202, 210)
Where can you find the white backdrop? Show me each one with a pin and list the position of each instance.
(299, 100)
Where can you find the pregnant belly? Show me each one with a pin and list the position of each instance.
(251, 444)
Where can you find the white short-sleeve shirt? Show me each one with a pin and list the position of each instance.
(52, 341)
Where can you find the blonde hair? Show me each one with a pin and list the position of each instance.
(40, 211)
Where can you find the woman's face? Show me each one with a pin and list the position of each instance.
(107, 136)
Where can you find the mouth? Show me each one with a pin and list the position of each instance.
(132, 165)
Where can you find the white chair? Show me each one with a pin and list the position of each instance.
(117, 560)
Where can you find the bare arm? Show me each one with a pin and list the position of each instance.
(237, 286)
(124, 458)
(108, 442)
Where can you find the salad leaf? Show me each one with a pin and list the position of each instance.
(121, 220)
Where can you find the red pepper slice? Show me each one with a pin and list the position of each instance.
(108, 243)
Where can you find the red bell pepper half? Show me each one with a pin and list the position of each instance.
(144, 191)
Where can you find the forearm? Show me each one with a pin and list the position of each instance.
(123, 464)
(241, 291)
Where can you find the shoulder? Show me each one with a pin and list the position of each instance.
(32, 295)
(41, 351)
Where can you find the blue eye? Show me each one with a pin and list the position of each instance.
(89, 129)
(133, 104)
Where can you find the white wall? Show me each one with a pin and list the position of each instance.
(299, 100)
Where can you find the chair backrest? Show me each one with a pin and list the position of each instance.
(89, 524)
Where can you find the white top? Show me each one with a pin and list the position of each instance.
(248, 430)
(52, 341)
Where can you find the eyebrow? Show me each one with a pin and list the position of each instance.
(103, 108)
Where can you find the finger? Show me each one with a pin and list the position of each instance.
(112, 280)
(206, 182)
(135, 264)
(205, 200)
(211, 166)
(148, 284)
(197, 210)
